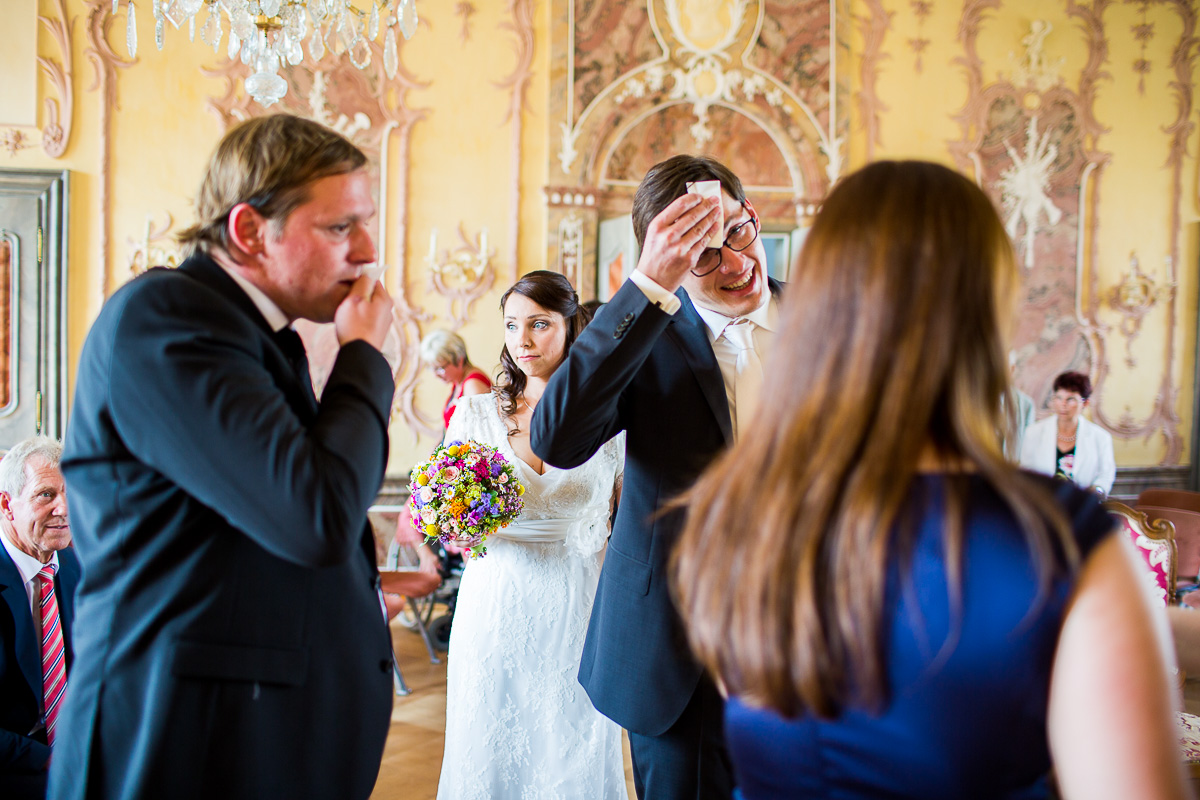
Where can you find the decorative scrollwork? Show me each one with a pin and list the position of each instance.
(57, 131)
(462, 275)
(1133, 297)
(155, 248)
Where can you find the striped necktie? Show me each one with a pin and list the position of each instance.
(54, 663)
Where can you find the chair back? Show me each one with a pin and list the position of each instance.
(1155, 541)
(1183, 510)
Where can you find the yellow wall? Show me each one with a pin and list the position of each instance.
(461, 162)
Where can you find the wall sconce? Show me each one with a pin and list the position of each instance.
(462, 275)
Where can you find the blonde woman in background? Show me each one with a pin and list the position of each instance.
(893, 608)
(446, 354)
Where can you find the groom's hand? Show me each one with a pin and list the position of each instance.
(676, 238)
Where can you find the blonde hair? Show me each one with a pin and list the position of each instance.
(443, 347)
(889, 346)
(267, 162)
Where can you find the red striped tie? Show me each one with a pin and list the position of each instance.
(54, 664)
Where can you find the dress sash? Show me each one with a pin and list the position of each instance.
(536, 530)
(585, 535)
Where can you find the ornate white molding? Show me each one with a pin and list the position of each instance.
(570, 244)
(56, 133)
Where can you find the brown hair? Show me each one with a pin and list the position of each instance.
(889, 344)
(267, 162)
(553, 292)
(668, 180)
(1074, 382)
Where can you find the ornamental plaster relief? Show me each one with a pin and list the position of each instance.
(1031, 138)
(56, 133)
(752, 83)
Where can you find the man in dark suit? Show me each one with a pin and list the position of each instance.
(230, 639)
(674, 360)
(38, 576)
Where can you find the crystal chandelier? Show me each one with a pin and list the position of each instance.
(267, 33)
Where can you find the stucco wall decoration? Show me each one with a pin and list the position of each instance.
(1029, 139)
(1032, 139)
(752, 83)
(873, 27)
(105, 63)
(56, 133)
(367, 107)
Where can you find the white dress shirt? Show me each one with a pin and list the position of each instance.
(29, 567)
(272, 313)
(765, 319)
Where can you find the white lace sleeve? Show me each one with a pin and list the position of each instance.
(470, 419)
(615, 449)
(589, 533)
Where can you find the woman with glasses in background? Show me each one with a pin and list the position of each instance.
(446, 354)
(1065, 444)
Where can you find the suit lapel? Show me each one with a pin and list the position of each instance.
(691, 335)
(29, 651)
(66, 581)
(208, 272)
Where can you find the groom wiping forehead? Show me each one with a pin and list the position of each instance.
(674, 359)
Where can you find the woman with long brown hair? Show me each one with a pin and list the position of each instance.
(893, 608)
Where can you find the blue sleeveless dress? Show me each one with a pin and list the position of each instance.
(964, 719)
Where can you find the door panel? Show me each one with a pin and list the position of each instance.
(33, 249)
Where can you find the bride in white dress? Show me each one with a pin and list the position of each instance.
(518, 724)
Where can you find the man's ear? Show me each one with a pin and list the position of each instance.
(6, 506)
(247, 229)
(750, 208)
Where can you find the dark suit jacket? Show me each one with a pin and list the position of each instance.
(653, 375)
(21, 663)
(230, 642)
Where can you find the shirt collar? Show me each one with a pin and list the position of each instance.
(765, 316)
(272, 313)
(26, 565)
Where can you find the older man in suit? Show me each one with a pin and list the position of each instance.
(38, 576)
(674, 360)
(231, 642)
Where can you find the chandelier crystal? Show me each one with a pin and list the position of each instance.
(269, 33)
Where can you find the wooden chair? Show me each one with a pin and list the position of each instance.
(403, 588)
(1155, 540)
(1183, 510)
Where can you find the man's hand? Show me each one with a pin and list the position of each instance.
(365, 314)
(677, 237)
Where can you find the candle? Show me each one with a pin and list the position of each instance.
(432, 246)
(483, 248)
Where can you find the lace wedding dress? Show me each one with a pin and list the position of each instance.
(518, 724)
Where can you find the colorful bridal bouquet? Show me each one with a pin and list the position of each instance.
(465, 491)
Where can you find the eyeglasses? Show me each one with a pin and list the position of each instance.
(741, 237)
